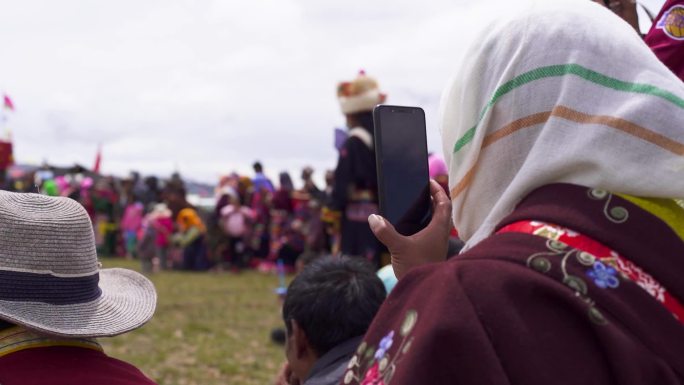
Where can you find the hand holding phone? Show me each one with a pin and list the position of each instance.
(402, 164)
(429, 245)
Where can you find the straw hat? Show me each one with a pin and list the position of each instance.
(50, 279)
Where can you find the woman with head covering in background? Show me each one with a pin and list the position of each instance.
(564, 144)
(191, 230)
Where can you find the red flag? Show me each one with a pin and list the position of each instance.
(98, 159)
(8, 103)
(6, 158)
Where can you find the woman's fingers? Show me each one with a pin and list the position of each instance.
(441, 205)
(437, 192)
(385, 232)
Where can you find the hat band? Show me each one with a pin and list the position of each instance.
(32, 287)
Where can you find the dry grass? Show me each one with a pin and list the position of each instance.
(209, 328)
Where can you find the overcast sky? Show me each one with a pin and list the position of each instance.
(207, 87)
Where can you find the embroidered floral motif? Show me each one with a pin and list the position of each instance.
(385, 345)
(540, 262)
(617, 214)
(588, 253)
(376, 367)
(603, 276)
(372, 376)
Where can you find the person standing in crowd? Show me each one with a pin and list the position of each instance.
(235, 222)
(245, 189)
(162, 223)
(354, 196)
(327, 310)
(175, 182)
(282, 216)
(260, 182)
(219, 241)
(564, 157)
(145, 247)
(329, 184)
(130, 225)
(151, 194)
(225, 191)
(191, 231)
(313, 198)
(258, 195)
(106, 204)
(282, 197)
(50, 336)
(310, 187)
(137, 187)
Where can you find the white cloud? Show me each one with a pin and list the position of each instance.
(210, 86)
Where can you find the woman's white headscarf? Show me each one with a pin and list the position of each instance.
(558, 92)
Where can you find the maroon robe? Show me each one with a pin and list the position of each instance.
(489, 316)
(63, 365)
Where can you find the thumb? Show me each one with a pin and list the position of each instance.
(384, 231)
(441, 207)
(441, 214)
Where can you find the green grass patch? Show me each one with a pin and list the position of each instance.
(209, 328)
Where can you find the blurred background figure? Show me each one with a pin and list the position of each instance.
(236, 220)
(190, 235)
(155, 238)
(130, 225)
(354, 195)
(260, 181)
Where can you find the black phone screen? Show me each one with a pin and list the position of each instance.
(401, 157)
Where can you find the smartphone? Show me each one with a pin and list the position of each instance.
(402, 163)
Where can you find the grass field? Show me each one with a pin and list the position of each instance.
(209, 328)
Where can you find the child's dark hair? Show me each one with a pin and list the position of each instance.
(333, 299)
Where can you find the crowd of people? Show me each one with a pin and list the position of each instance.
(564, 156)
(253, 223)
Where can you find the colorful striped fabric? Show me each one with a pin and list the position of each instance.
(18, 338)
(558, 92)
(563, 70)
(598, 252)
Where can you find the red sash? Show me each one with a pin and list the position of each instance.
(626, 268)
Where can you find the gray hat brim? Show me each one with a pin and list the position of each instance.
(127, 302)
